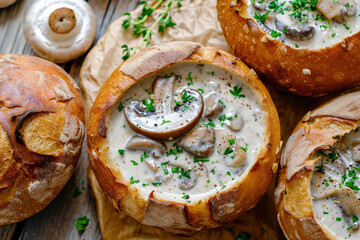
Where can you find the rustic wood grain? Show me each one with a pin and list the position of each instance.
(56, 221)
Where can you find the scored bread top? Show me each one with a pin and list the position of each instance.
(41, 129)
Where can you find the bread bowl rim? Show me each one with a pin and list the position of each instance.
(196, 216)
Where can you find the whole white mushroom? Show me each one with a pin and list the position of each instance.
(6, 3)
(60, 30)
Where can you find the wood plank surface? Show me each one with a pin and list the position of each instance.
(56, 221)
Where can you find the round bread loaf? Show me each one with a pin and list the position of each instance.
(41, 134)
(183, 137)
(317, 193)
(308, 48)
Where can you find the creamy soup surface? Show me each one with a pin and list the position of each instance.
(313, 24)
(216, 153)
(335, 187)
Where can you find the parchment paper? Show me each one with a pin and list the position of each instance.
(196, 21)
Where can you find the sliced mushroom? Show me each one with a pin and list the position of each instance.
(297, 33)
(355, 153)
(154, 166)
(235, 123)
(240, 153)
(338, 10)
(60, 30)
(348, 201)
(212, 105)
(199, 142)
(188, 183)
(267, 29)
(155, 148)
(222, 139)
(166, 122)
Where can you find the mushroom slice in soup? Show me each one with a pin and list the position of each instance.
(166, 122)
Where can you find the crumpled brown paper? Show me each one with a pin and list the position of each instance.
(196, 21)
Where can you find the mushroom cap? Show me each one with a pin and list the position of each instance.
(57, 47)
(6, 3)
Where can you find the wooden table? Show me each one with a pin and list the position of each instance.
(56, 221)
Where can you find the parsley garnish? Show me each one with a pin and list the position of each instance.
(245, 149)
(156, 184)
(190, 79)
(121, 152)
(275, 34)
(209, 124)
(149, 103)
(320, 168)
(174, 151)
(164, 167)
(81, 223)
(201, 90)
(201, 159)
(165, 121)
(143, 156)
(228, 151)
(333, 156)
(163, 21)
(132, 181)
(186, 98)
(231, 141)
(262, 17)
(134, 163)
(213, 171)
(120, 107)
(237, 92)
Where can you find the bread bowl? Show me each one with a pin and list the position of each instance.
(41, 133)
(164, 170)
(317, 187)
(311, 58)
(6, 3)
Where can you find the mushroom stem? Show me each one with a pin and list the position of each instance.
(62, 20)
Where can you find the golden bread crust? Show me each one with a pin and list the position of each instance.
(333, 68)
(316, 130)
(41, 131)
(212, 211)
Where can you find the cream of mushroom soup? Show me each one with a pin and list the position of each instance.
(313, 24)
(335, 187)
(187, 131)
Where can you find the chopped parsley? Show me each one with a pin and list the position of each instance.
(120, 107)
(261, 17)
(223, 118)
(231, 141)
(245, 149)
(190, 79)
(149, 103)
(148, 91)
(332, 156)
(186, 98)
(201, 90)
(121, 152)
(210, 124)
(165, 121)
(325, 212)
(164, 167)
(222, 103)
(237, 92)
(320, 168)
(228, 151)
(134, 163)
(132, 181)
(201, 159)
(346, 26)
(213, 171)
(156, 184)
(174, 151)
(81, 223)
(338, 219)
(275, 34)
(143, 156)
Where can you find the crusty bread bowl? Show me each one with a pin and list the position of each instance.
(206, 151)
(317, 187)
(41, 133)
(310, 58)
